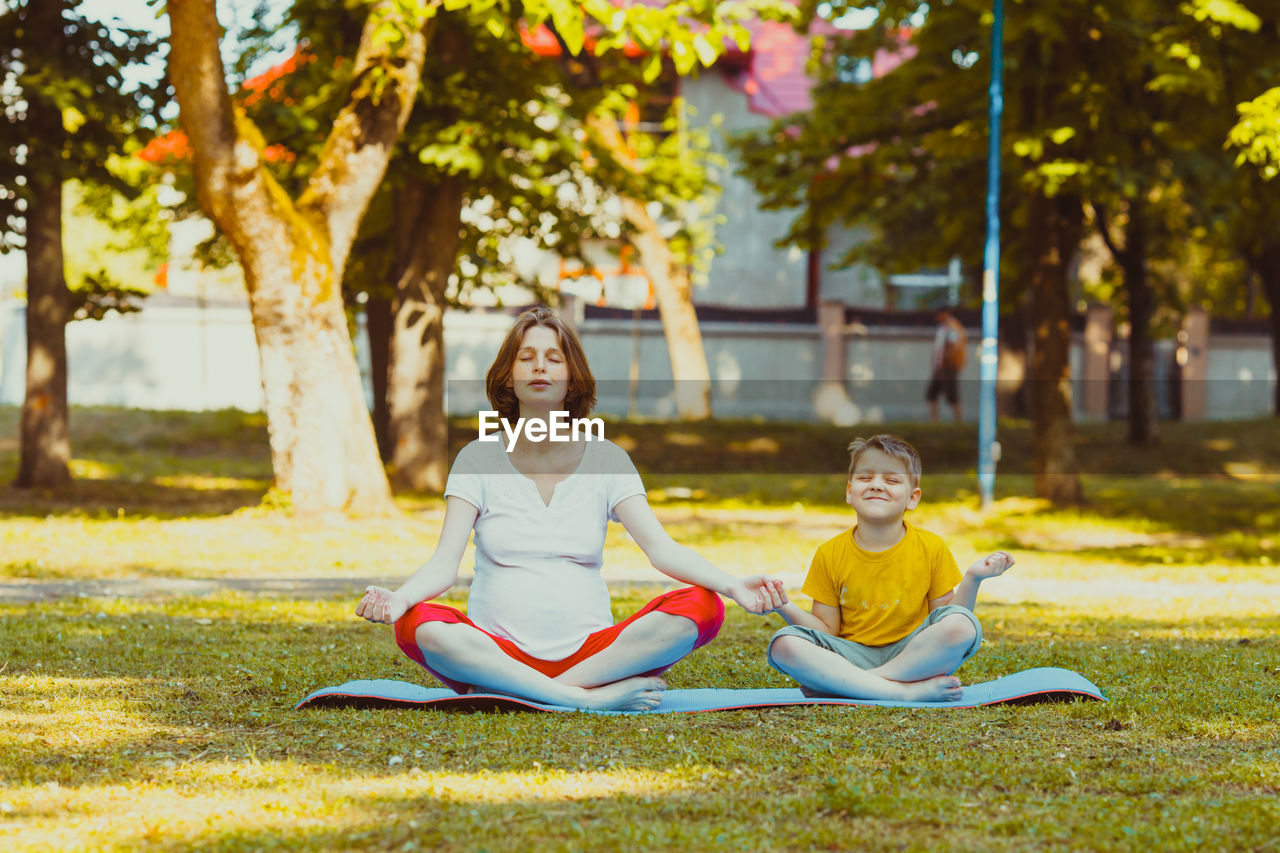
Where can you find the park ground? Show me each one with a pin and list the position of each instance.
(159, 620)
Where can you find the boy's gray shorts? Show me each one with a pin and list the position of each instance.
(870, 657)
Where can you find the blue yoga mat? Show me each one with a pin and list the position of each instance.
(1043, 684)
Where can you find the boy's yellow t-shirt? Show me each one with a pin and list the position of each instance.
(882, 595)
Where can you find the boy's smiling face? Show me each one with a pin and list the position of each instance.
(880, 488)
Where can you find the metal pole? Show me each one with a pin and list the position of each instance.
(988, 450)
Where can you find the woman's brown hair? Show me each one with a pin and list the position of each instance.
(579, 399)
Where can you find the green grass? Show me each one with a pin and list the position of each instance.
(167, 722)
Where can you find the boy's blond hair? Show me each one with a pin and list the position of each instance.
(891, 445)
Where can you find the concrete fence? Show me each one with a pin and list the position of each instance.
(193, 357)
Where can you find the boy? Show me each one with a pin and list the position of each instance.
(892, 618)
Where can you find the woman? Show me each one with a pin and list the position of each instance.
(538, 623)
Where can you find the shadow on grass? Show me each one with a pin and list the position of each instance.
(208, 463)
(135, 463)
(1201, 449)
(127, 499)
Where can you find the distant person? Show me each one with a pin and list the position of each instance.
(892, 617)
(950, 353)
(538, 623)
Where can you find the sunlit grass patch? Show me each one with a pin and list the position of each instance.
(91, 469)
(270, 545)
(187, 737)
(189, 801)
(208, 483)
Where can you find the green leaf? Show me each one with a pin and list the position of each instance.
(569, 23)
(1031, 148)
(652, 68)
(683, 57)
(707, 54)
(1226, 12)
(72, 119)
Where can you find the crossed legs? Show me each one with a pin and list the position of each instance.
(920, 672)
(617, 669)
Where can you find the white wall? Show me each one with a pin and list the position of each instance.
(860, 284)
(158, 358)
(193, 359)
(1241, 377)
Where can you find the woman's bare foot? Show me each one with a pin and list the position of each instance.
(941, 688)
(640, 693)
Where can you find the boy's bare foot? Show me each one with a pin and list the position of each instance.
(941, 688)
(640, 693)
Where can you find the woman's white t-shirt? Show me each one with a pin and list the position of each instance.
(538, 580)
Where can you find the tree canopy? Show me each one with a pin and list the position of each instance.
(294, 241)
(1112, 127)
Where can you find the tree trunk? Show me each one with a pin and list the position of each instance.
(45, 432)
(45, 435)
(671, 286)
(379, 322)
(674, 291)
(428, 233)
(323, 449)
(1054, 226)
(1267, 265)
(1143, 428)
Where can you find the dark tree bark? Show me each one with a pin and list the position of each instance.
(45, 430)
(428, 236)
(1054, 225)
(324, 453)
(45, 435)
(379, 322)
(1132, 258)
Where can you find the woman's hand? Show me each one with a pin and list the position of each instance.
(758, 594)
(381, 605)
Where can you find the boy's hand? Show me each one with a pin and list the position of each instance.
(777, 594)
(991, 565)
(758, 594)
(381, 605)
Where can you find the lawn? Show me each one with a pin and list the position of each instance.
(167, 721)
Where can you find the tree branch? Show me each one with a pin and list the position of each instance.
(1100, 216)
(206, 114)
(388, 69)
